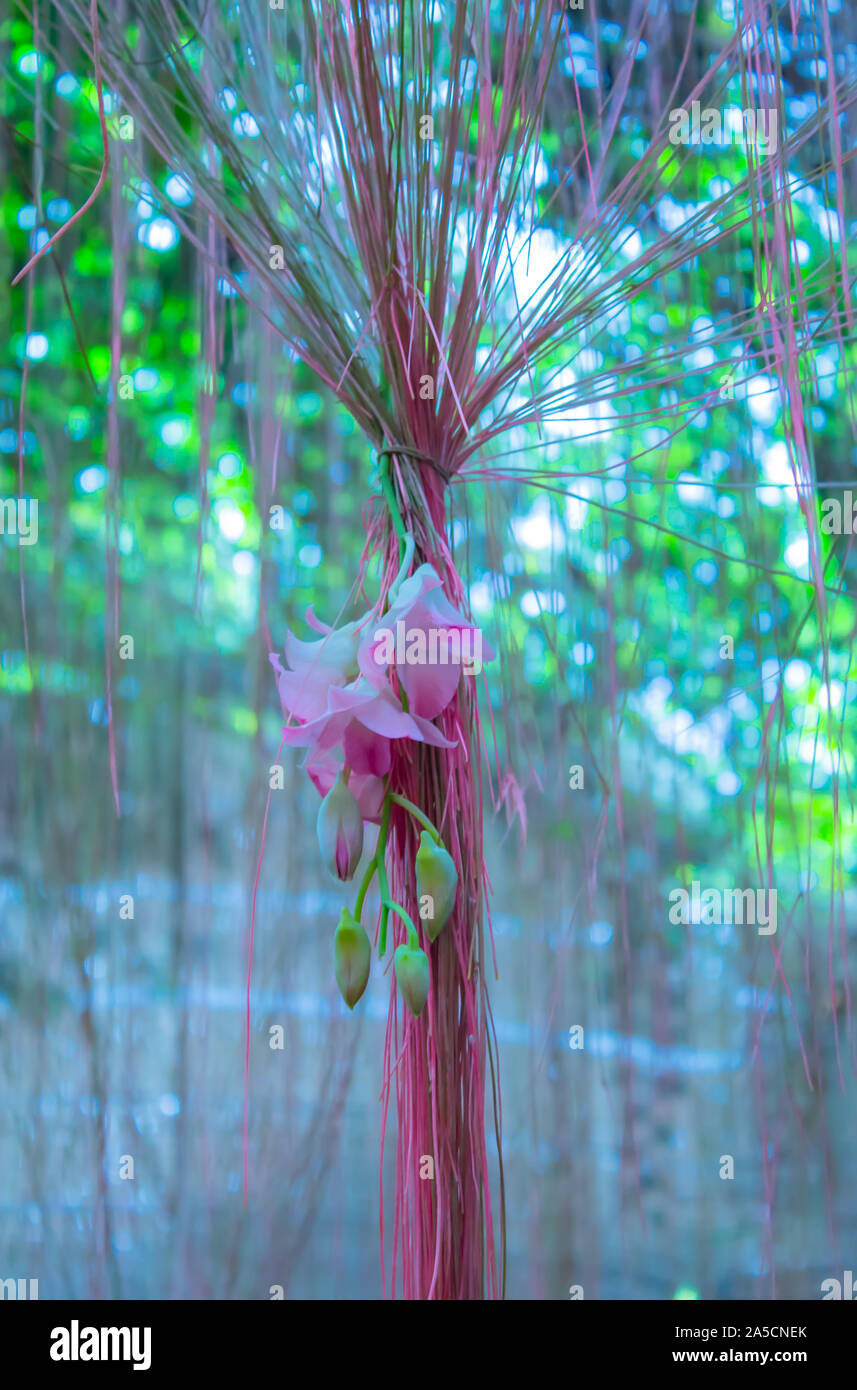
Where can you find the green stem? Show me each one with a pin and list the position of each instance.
(404, 566)
(382, 875)
(396, 515)
(387, 904)
(384, 885)
(382, 833)
(415, 811)
(364, 887)
(413, 939)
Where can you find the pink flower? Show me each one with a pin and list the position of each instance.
(316, 666)
(427, 641)
(368, 791)
(362, 720)
(339, 826)
(338, 688)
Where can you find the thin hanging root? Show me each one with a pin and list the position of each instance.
(105, 162)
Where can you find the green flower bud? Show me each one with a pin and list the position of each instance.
(412, 972)
(340, 830)
(352, 953)
(437, 878)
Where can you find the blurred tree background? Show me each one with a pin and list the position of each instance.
(606, 599)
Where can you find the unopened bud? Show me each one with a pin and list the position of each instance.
(412, 972)
(340, 830)
(437, 877)
(353, 954)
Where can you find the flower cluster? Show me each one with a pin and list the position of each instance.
(351, 696)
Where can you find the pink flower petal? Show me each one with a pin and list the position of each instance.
(366, 752)
(302, 694)
(368, 792)
(429, 688)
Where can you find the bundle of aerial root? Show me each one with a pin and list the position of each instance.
(393, 738)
